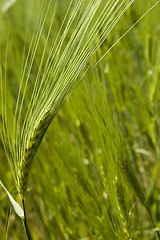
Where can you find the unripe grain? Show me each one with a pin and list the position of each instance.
(33, 141)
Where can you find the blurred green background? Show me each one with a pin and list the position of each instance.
(76, 190)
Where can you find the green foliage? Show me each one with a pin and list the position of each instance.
(95, 174)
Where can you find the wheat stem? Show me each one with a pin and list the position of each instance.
(25, 222)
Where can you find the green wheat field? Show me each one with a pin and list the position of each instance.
(80, 119)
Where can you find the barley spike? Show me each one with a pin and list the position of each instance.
(31, 146)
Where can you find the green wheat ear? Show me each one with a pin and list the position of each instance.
(122, 206)
(132, 181)
(85, 27)
(31, 146)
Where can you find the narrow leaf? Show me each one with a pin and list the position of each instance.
(7, 5)
(156, 229)
(17, 208)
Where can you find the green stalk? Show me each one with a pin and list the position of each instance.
(25, 223)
